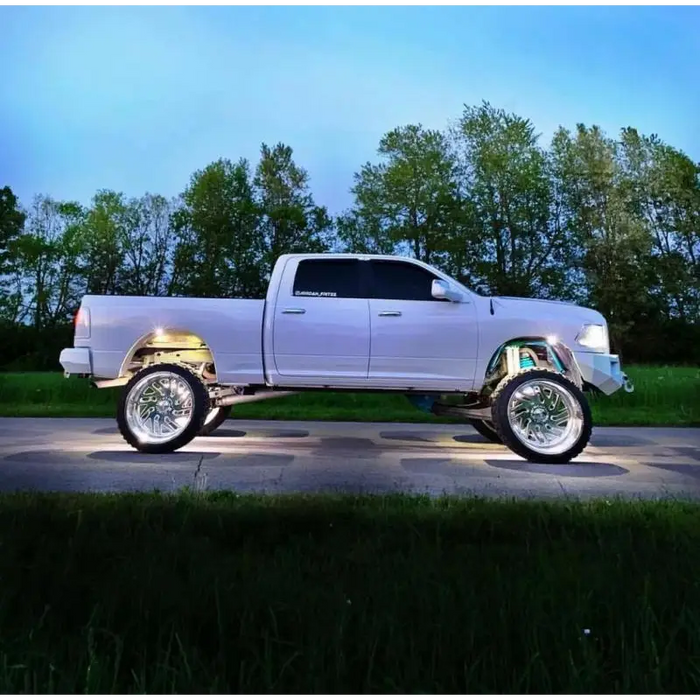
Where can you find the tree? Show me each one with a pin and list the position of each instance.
(105, 230)
(664, 190)
(12, 220)
(506, 176)
(409, 202)
(49, 252)
(611, 244)
(290, 221)
(362, 232)
(148, 245)
(219, 251)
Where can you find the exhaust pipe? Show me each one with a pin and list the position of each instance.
(235, 399)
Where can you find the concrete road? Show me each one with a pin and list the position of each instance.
(63, 454)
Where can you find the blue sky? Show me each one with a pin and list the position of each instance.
(137, 98)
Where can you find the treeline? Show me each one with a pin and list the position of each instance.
(613, 223)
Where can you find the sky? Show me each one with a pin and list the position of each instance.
(136, 99)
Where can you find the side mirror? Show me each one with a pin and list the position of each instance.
(442, 290)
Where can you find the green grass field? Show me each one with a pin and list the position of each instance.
(663, 396)
(222, 593)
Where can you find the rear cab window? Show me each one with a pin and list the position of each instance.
(334, 279)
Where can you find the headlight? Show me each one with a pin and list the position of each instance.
(594, 336)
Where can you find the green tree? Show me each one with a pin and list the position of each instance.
(12, 220)
(607, 237)
(219, 251)
(49, 256)
(290, 220)
(664, 190)
(408, 202)
(148, 242)
(105, 230)
(506, 176)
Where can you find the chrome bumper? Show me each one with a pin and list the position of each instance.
(603, 372)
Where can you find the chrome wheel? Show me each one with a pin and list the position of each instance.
(545, 416)
(159, 407)
(487, 430)
(211, 415)
(215, 419)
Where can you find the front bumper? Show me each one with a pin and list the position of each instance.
(76, 361)
(603, 372)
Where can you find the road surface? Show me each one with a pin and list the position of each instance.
(64, 454)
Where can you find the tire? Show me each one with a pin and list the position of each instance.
(485, 429)
(214, 419)
(533, 390)
(166, 384)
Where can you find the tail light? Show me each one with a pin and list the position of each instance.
(82, 323)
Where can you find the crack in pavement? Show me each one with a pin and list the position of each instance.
(200, 478)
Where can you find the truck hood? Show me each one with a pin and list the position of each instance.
(551, 308)
(539, 301)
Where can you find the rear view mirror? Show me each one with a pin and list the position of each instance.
(442, 290)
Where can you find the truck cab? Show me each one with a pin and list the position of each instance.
(369, 322)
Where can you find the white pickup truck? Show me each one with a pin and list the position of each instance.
(516, 369)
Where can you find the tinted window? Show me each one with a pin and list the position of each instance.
(328, 278)
(398, 280)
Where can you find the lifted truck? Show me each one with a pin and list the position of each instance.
(516, 369)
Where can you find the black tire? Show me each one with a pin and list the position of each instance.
(499, 411)
(485, 429)
(199, 411)
(222, 413)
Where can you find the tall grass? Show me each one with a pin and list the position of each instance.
(663, 396)
(220, 593)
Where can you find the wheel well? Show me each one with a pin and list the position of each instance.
(525, 353)
(171, 345)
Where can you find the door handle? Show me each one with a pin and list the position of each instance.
(294, 311)
(390, 313)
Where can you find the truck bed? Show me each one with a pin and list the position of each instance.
(231, 328)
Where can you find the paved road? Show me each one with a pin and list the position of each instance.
(63, 454)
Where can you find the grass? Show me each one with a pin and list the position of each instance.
(663, 396)
(220, 593)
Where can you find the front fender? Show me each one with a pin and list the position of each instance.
(561, 356)
(571, 369)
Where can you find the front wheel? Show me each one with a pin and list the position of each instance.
(162, 408)
(214, 419)
(542, 416)
(485, 429)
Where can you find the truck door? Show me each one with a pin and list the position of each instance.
(321, 322)
(417, 340)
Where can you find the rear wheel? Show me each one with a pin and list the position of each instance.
(542, 416)
(214, 419)
(162, 408)
(485, 429)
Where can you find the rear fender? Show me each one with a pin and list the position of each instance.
(165, 339)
